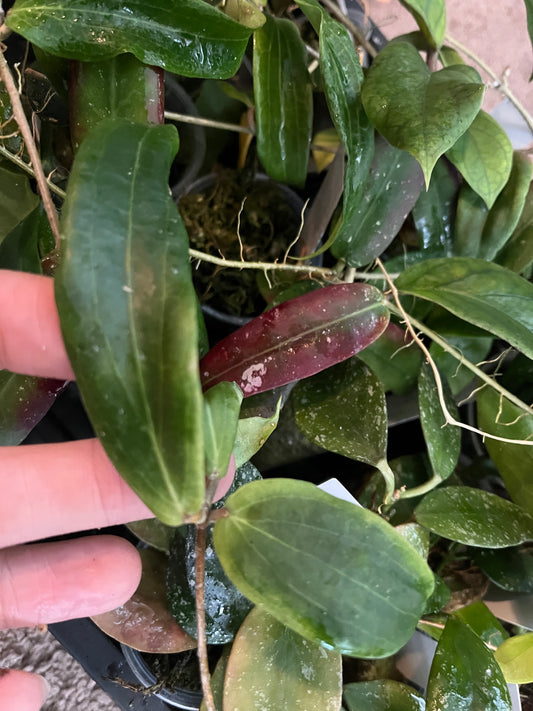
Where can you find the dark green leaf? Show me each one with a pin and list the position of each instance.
(434, 211)
(191, 37)
(470, 220)
(382, 695)
(474, 517)
(284, 538)
(464, 675)
(252, 433)
(529, 9)
(473, 349)
(17, 197)
(8, 125)
(154, 533)
(272, 668)
(430, 16)
(510, 569)
(417, 536)
(515, 658)
(222, 404)
(416, 110)
(483, 155)
(125, 246)
(485, 294)
(518, 251)
(440, 598)
(374, 216)
(481, 621)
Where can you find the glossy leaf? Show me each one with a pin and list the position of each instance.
(247, 12)
(18, 199)
(513, 461)
(479, 292)
(144, 622)
(252, 433)
(298, 338)
(283, 101)
(272, 668)
(8, 125)
(382, 695)
(434, 210)
(222, 404)
(473, 349)
(474, 517)
(191, 37)
(284, 538)
(481, 621)
(464, 675)
(430, 16)
(518, 251)
(417, 536)
(515, 657)
(483, 155)
(470, 220)
(443, 441)
(125, 245)
(510, 569)
(384, 201)
(416, 110)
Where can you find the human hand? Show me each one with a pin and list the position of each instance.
(52, 489)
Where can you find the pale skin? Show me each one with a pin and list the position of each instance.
(53, 489)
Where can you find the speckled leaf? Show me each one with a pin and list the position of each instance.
(515, 657)
(145, 622)
(252, 433)
(298, 338)
(382, 695)
(518, 251)
(510, 569)
(464, 674)
(272, 668)
(416, 535)
(482, 293)
(124, 244)
(222, 404)
(383, 202)
(434, 211)
(430, 16)
(191, 37)
(416, 110)
(443, 441)
(283, 101)
(474, 517)
(483, 155)
(283, 538)
(481, 621)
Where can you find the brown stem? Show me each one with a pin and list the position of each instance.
(200, 618)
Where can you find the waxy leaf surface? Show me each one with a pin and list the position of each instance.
(430, 16)
(470, 219)
(518, 251)
(272, 668)
(482, 293)
(298, 338)
(222, 404)
(434, 211)
(474, 517)
(252, 433)
(191, 37)
(510, 568)
(418, 111)
(284, 539)
(382, 695)
(481, 621)
(515, 657)
(283, 101)
(128, 314)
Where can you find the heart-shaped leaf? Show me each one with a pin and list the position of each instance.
(125, 245)
(430, 16)
(416, 110)
(474, 517)
(482, 293)
(222, 404)
(510, 569)
(382, 695)
(284, 538)
(191, 37)
(272, 668)
(298, 338)
(515, 657)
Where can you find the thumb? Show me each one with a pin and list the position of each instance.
(21, 690)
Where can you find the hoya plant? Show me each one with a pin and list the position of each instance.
(423, 216)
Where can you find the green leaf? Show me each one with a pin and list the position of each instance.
(481, 621)
(382, 695)
(529, 10)
(417, 536)
(474, 517)
(154, 533)
(515, 657)
(416, 110)
(464, 675)
(252, 433)
(125, 246)
(430, 16)
(222, 404)
(217, 680)
(8, 125)
(374, 215)
(17, 197)
(485, 294)
(283, 101)
(483, 155)
(510, 568)
(284, 538)
(272, 668)
(513, 461)
(473, 349)
(517, 254)
(191, 37)
(434, 211)
(470, 220)
(443, 441)
(247, 12)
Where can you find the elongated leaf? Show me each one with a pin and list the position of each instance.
(374, 216)
(382, 695)
(479, 292)
(272, 668)
(481, 621)
(217, 680)
(222, 404)
(416, 110)
(510, 568)
(434, 211)
(17, 197)
(483, 155)
(470, 220)
(464, 675)
(474, 517)
(529, 10)
(283, 101)
(284, 540)
(513, 461)
(191, 37)
(473, 349)
(430, 16)
(125, 246)
(252, 433)
(298, 338)
(8, 125)
(518, 251)
(515, 657)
